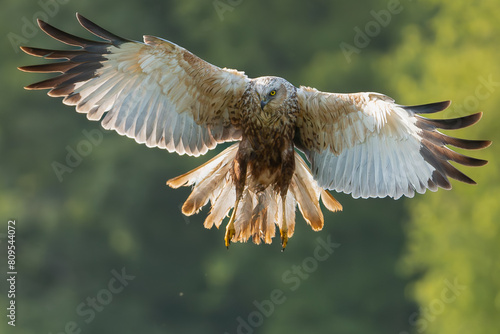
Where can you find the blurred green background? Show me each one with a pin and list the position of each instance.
(424, 265)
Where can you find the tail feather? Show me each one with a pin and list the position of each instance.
(255, 217)
(201, 172)
(330, 202)
(258, 221)
(204, 189)
(221, 206)
(263, 218)
(290, 205)
(242, 224)
(258, 213)
(269, 204)
(307, 196)
(308, 193)
(290, 214)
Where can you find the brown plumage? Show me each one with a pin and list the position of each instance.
(164, 96)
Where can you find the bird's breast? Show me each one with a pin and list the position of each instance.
(267, 128)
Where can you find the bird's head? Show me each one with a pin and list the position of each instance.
(272, 92)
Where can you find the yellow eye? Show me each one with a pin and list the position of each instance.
(272, 93)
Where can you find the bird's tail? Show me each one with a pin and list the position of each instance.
(257, 212)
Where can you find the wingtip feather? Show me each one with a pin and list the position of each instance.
(429, 108)
(27, 50)
(486, 143)
(99, 31)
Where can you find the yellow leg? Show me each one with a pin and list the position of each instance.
(230, 231)
(284, 227)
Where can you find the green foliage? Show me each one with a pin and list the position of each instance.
(455, 235)
(114, 210)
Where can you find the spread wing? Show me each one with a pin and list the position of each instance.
(366, 145)
(156, 92)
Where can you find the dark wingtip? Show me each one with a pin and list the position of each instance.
(429, 108)
(67, 38)
(451, 123)
(81, 18)
(441, 139)
(471, 181)
(62, 67)
(26, 49)
(474, 162)
(442, 105)
(469, 144)
(99, 31)
(486, 143)
(31, 87)
(43, 25)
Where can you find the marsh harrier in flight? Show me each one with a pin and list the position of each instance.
(162, 95)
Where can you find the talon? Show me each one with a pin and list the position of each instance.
(230, 231)
(284, 227)
(284, 238)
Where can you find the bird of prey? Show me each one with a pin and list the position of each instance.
(162, 95)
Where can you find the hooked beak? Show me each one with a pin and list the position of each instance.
(263, 104)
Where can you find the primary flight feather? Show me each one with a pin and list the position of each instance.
(164, 96)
